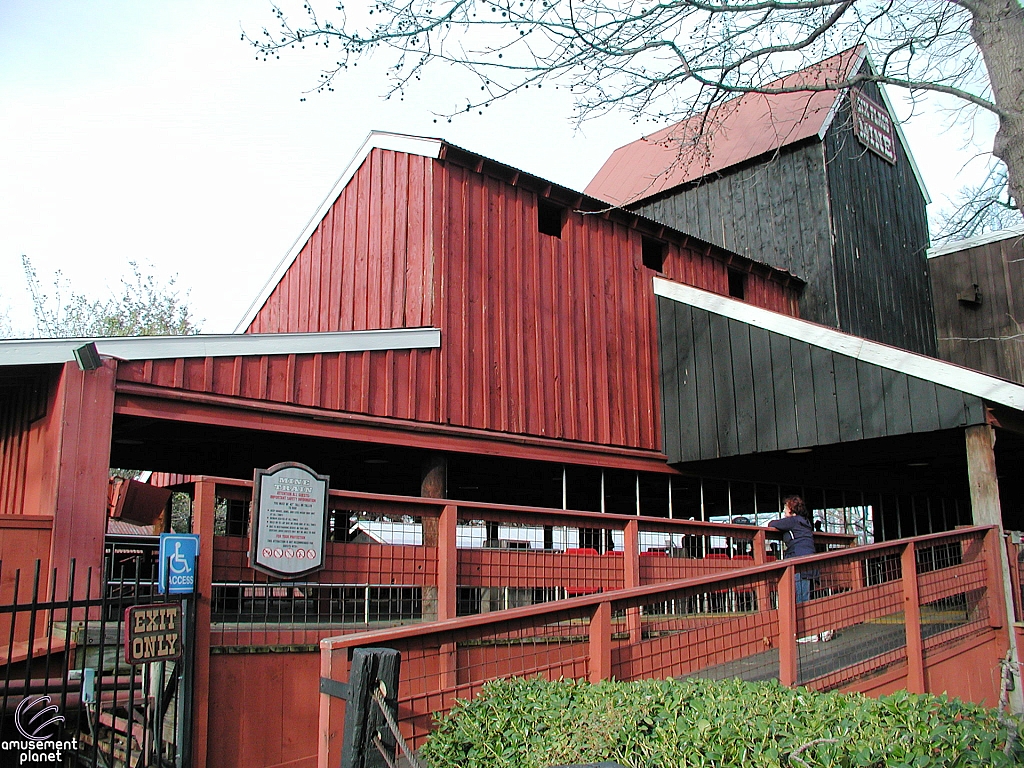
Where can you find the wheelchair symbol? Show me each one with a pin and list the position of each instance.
(178, 562)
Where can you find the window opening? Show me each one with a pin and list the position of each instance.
(549, 218)
(653, 253)
(737, 284)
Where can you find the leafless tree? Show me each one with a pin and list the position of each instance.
(978, 209)
(673, 59)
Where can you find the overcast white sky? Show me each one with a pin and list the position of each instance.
(148, 131)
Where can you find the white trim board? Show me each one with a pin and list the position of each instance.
(50, 351)
(963, 245)
(981, 385)
(397, 142)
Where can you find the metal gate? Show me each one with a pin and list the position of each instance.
(67, 685)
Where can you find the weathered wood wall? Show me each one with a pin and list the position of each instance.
(774, 211)
(731, 389)
(987, 335)
(541, 335)
(881, 238)
(844, 220)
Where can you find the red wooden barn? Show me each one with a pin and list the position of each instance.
(500, 369)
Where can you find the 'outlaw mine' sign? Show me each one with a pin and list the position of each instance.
(152, 633)
(289, 527)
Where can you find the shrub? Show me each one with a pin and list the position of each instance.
(533, 723)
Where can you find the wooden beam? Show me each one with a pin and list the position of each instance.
(204, 506)
(78, 460)
(912, 620)
(981, 473)
(788, 672)
(601, 643)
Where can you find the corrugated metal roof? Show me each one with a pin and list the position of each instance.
(738, 130)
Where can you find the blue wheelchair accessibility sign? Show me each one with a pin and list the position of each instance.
(178, 555)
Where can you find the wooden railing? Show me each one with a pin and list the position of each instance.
(883, 607)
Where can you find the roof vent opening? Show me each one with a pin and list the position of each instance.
(737, 284)
(549, 218)
(653, 254)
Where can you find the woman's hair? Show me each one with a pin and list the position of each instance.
(797, 506)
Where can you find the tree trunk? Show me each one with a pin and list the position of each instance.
(998, 30)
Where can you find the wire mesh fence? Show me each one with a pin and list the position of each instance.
(386, 558)
(746, 624)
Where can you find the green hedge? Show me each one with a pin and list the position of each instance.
(534, 723)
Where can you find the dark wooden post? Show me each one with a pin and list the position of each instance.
(788, 666)
(601, 643)
(912, 620)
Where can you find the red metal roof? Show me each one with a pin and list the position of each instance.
(738, 130)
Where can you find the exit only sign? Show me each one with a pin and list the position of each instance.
(152, 633)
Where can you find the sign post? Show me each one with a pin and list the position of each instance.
(289, 520)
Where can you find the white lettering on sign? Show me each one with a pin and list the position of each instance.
(872, 126)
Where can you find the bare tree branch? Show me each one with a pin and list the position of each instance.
(672, 59)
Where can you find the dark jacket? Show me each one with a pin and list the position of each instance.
(798, 535)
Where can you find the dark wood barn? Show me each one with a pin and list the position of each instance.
(792, 180)
(978, 295)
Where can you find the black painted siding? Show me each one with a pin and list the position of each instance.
(844, 220)
(775, 212)
(730, 389)
(881, 238)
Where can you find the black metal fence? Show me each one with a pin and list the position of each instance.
(67, 687)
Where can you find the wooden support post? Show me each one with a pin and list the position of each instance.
(993, 548)
(631, 577)
(986, 510)
(981, 474)
(447, 590)
(760, 558)
(203, 509)
(788, 661)
(447, 563)
(912, 620)
(73, 471)
(433, 485)
(601, 643)
(334, 665)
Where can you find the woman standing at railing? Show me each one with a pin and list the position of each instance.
(797, 526)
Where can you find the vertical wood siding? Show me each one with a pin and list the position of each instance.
(986, 335)
(23, 406)
(881, 236)
(775, 212)
(543, 336)
(731, 389)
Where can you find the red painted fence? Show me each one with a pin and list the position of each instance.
(883, 616)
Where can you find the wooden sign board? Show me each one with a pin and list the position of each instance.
(289, 526)
(872, 126)
(152, 633)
